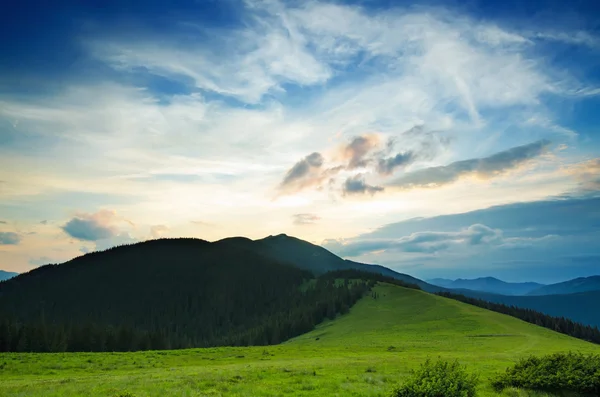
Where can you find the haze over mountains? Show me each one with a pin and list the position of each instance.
(487, 284)
(581, 284)
(4, 275)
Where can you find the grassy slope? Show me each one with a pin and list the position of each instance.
(351, 357)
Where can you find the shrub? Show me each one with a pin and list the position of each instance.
(555, 373)
(439, 379)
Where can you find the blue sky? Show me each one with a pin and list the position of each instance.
(330, 121)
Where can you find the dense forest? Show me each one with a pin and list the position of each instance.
(167, 294)
(558, 324)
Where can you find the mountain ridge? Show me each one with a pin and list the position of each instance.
(5, 275)
(487, 284)
(576, 285)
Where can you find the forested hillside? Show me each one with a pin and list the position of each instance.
(169, 293)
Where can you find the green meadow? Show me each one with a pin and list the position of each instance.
(364, 353)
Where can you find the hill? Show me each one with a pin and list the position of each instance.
(169, 293)
(4, 275)
(366, 352)
(487, 284)
(318, 260)
(580, 307)
(400, 317)
(581, 284)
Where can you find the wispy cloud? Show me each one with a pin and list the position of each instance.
(305, 219)
(305, 173)
(486, 167)
(430, 242)
(307, 100)
(587, 173)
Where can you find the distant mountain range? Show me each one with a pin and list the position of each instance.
(318, 260)
(581, 284)
(581, 307)
(488, 284)
(6, 275)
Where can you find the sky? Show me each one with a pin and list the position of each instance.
(441, 139)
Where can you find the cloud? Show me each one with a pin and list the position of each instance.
(44, 222)
(92, 227)
(357, 150)
(305, 219)
(544, 232)
(9, 238)
(246, 63)
(430, 242)
(157, 231)
(386, 166)
(305, 173)
(2, 222)
(486, 167)
(357, 185)
(587, 174)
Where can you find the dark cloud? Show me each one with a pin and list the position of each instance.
(2, 223)
(357, 185)
(44, 222)
(537, 241)
(486, 167)
(357, 150)
(9, 238)
(305, 219)
(88, 229)
(386, 166)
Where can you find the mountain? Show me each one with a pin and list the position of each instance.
(419, 323)
(168, 293)
(488, 284)
(6, 275)
(441, 282)
(581, 284)
(580, 307)
(318, 260)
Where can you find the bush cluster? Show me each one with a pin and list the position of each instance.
(555, 373)
(438, 379)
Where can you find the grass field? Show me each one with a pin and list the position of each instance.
(364, 353)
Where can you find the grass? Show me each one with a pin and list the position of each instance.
(365, 353)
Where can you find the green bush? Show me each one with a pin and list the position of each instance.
(555, 373)
(439, 379)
